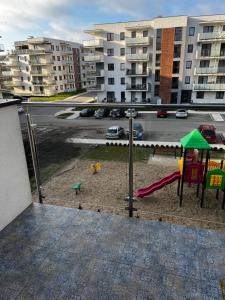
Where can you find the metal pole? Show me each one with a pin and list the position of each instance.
(131, 167)
(34, 157)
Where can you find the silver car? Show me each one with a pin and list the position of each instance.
(181, 114)
(115, 132)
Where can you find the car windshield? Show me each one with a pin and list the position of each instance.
(137, 127)
(130, 110)
(208, 132)
(112, 130)
(181, 111)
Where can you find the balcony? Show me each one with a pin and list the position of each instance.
(17, 83)
(138, 87)
(94, 58)
(210, 53)
(97, 88)
(210, 70)
(135, 73)
(139, 41)
(209, 87)
(41, 83)
(16, 73)
(218, 35)
(138, 57)
(41, 62)
(93, 43)
(96, 73)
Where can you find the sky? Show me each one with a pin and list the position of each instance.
(67, 19)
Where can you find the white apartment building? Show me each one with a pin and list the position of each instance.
(44, 66)
(177, 59)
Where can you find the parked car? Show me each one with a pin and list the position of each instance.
(117, 113)
(87, 112)
(208, 132)
(115, 132)
(131, 112)
(181, 114)
(138, 132)
(101, 113)
(20, 109)
(162, 113)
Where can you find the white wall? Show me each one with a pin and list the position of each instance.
(15, 194)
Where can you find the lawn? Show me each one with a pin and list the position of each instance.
(57, 97)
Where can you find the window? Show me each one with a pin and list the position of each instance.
(145, 49)
(157, 60)
(111, 81)
(122, 51)
(110, 52)
(52, 47)
(188, 64)
(173, 97)
(204, 64)
(145, 33)
(133, 34)
(110, 67)
(187, 80)
(60, 77)
(59, 68)
(30, 88)
(133, 50)
(177, 51)
(53, 57)
(200, 95)
(122, 36)
(55, 77)
(61, 87)
(190, 48)
(122, 80)
(191, 31)
(122, 66)
(27, 69)
(178, 34)
(207, 29)
(23, 87)
(176, 67)
(54, 68)
(110, 36)
(220, 79)
(158, 39)
(206, 50)
(57, 48)
(28, 78)
(175, 82)
(58, 58)
(21, 78)
(156, 92)
(157, 75)
(202, 79)
(219, 95)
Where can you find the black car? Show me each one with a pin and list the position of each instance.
(101, 113)
(117, 113)
(87, 112)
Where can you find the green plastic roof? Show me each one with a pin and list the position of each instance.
(194, 140)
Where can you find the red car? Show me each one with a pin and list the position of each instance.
(208, 132)
(162, 114)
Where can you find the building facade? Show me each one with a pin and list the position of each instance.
(169, 60)
(44, 67)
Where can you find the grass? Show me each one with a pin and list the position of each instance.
(111, 153)
(64, 115)
(57, 97)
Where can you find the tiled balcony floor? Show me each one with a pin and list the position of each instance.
(52, 252)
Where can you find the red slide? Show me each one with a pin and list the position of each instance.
(157, 185)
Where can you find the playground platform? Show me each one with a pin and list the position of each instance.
(52, 252)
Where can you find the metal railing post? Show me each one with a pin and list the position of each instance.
(131, 167)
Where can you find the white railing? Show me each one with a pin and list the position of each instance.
(96, 73)
(217, 35)
(210, 70)
(93, 43)
(93, 58)
(97, 88)
(209, 87)
(138, 41)
(138, 56)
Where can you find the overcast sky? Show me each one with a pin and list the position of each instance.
(66, 19)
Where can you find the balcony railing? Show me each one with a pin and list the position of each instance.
(131, 72)
(210, 53)
(41, 62)
(217, 35)
(96, 73)
(97, 88)
(210, 70)
(138, 41)
(93, 43)
(17, 83)
(138, 57)
(138, 87)
(47, 82)
(209, 87)
(31, 51)
(94, 58)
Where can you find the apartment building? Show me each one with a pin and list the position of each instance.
(177, 59)
(44, 66)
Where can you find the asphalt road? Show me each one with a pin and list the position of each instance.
(169, 129)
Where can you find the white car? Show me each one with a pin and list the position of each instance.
(115, 132)
(181, 114)
(20, 109)
(131, 113)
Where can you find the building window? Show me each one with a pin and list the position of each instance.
(28, 78)
(178, 34)
(158, 39)
(61, 87)
(58, 58)
(60, 77)
(190, 48)
(207, 29)
(59, 68)
(204, 64)
(202, 79)
(53, 57)
(110, 52)
(200, 95)
(145, 33)
(175, 82)
(30, 88)
(122, 51)
(220, 79)
(219, 95)
(206, 50)
(54, 68)
(21, 78)
(52, 47)
(157, 75)
(157, 60)
(177, 51)
(156, 92)
(191, 31)
(145, 49)
(176, 67)
(110, 67)
(188, 64)
(187, 79)
(110, 36)
(23, 87)
(122, 66)
(111, 81)
(133, 34)
(122, 36)
(173, 97)
(27, 69)
(122, 80)
(133, 50)
(55, 77)
(57, 48)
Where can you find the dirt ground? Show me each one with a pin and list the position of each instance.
(107, 190)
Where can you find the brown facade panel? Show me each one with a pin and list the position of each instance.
(166, 65)
(76, 65)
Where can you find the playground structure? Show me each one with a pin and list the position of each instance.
(195, 167)
(95, 168)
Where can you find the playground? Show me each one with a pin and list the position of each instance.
(104, 188)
